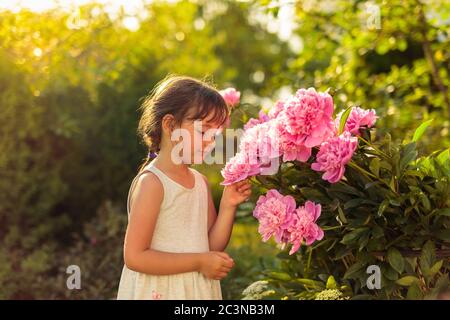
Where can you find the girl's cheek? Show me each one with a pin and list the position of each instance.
(210, 144)
(196, 140)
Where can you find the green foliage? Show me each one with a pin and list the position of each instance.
(400, 67)
(391, 210)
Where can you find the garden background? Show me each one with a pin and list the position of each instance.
(71, 78)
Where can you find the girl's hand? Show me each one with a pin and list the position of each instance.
(236, 193)
(215, 264)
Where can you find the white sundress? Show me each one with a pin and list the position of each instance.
(181, 226)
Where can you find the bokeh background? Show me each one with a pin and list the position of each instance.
(72, 75)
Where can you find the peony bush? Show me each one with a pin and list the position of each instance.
(340, 201)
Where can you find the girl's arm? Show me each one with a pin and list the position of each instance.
(147, 199)
(220, 226)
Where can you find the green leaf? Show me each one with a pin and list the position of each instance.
(309, 282)
(435, 268)
(441, 284)
(331, 283)
(414, 292)
(386, 165)
(353, 203)
(342, 215)
(409, 153)
(443, 160)
(343, 188)
(377, 232)
(421, 129)
(427, 257)
(363, 240)
(396, 260)
(280, 276)
(343, 120)
(425, 201)
(355, 268)
(407, 281)
(383, 207)
(313, 194)
(353, 235)
(443, 234)
(390, 273)
(443, 212)
(374, 166)
(284, 255)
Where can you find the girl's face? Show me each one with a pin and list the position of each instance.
(195, 139)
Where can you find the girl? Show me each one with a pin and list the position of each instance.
(175, 241)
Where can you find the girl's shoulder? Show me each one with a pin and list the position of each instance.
(149, 179)
(146, 182)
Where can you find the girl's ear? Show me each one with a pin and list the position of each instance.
(168, 123)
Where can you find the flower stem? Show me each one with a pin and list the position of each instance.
(372, 146)
(308, 264)
(355, 166)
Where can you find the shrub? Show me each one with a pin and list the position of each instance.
(377, 203)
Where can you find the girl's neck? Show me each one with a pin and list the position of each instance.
(164, 162)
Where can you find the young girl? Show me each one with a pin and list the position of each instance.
(175, 240)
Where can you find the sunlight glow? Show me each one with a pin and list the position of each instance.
(131, 7)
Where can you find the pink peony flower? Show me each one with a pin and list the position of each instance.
(231, 96)
(303, 226)
(156, 295)
(358, 118)
(276, 109)
(288, 146)
(258, 151)
(333, 155)
(239, 168)
(253, 122)
(274, 212)
(261, 142)
(304, 122)
(278, 217)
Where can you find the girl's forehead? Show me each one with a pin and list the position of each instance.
(210, 120)
(207, 123)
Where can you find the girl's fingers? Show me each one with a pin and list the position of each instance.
(241, 183)
(224, 255)
(228, 263)
(222, 275)
(227, 260)
(244, 188)
(225, 269)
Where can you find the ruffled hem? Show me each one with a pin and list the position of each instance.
(183, 286)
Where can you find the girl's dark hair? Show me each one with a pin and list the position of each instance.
(177, 95)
